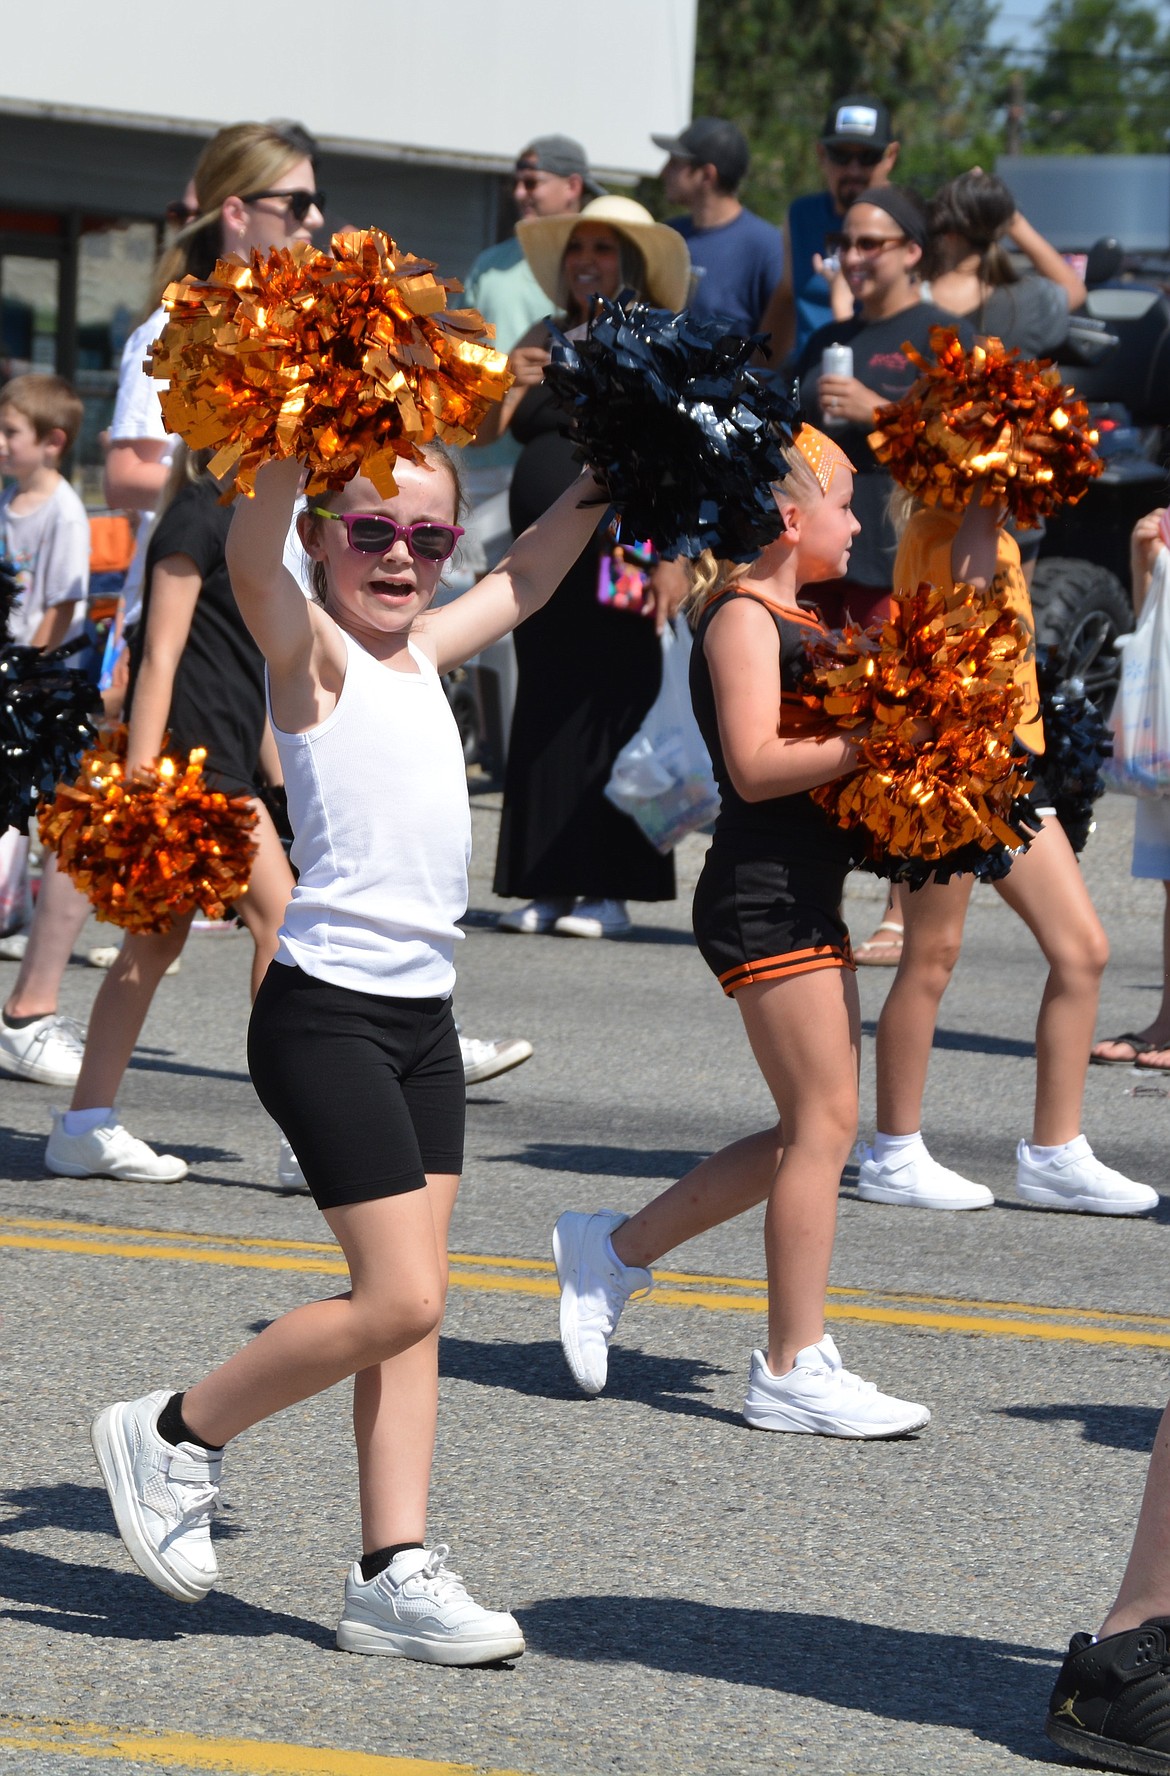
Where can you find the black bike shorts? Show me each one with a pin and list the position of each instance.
(763, 919)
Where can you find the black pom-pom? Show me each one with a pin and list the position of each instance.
(968, 860)
(45, 727)
(1076, 744)
(686, 439)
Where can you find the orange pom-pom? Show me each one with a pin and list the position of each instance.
(936, 684)
(990, 416)
(348, 361)
(153, 849)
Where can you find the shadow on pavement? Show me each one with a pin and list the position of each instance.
(605, 1162)
(668, 1384)
(970, 1041)
(82, 1508)
(993, 1689)
(107, 1604)
(1116, 1427)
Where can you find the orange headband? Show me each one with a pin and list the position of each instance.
(822, 454)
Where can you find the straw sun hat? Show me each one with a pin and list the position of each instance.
(668, 264)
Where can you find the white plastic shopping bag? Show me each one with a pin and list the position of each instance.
(1141, 714)
(662, 778)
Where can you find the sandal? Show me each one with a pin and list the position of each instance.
(1145, 1063)
(881, 952)
(1138, 1044)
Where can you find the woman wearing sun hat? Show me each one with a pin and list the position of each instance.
(588, 670)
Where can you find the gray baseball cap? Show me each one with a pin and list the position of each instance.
(563, 157)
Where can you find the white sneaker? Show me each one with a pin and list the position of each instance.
(418, 1609)
(49, 1051)
(916, 1181)
(13, 946)
(595, 918)
(595, 1286)
(109, 1151)
(823, 1399)
(1077, 1180)
(484, 1060)
(288, 1169)
(537, 916)
(163, 1496)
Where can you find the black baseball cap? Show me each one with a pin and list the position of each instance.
(562, 156)
(858, 121)
(710, 141)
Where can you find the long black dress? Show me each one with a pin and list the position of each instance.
(587, 676)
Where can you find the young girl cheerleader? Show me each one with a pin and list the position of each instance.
(767, 920)
(1055, 1168)
(352, 1044)
(198, 677)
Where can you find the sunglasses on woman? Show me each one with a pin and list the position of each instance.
(865, 157)
(869, 245)
(372, 533)
(298, 203)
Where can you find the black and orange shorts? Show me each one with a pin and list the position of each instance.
(764, 919)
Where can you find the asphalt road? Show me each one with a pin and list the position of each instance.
(696, 1597)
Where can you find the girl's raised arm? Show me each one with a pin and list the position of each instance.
(525, 580)
(975, 549)
(271, 602)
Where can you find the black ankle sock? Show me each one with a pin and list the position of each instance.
(173, 1428)
(379, 1560)
(21, 1023)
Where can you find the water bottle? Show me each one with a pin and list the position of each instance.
(836, 360)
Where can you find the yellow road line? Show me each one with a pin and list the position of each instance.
(233, 1757)
(490, 1274)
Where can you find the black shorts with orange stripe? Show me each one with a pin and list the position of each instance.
(763, 919)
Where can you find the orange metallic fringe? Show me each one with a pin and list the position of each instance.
(987, 415)
(347, 361)
(945, 659)
(152, 850)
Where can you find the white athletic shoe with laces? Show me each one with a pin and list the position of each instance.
(419, 1609)
(1077, 1180)
(914, 1180)
(109, 1151)
(823, 1399)
(595, 1286)
(485, 1059)
(163, 1496)
(48, 1051)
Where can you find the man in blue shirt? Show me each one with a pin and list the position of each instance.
(737, 256)
(856, 150)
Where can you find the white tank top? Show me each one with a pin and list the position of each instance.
(377, 797)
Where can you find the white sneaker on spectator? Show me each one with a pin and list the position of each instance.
(821, 1398)
(109, 1151)
(288, 1169)
(595, 918)
(163, 1496)
(13, 946)
(419, 1609)
(483, 1059)
(1076, 1180)
(48, 1051)
(537, 916)
(916, 1181)
(595, 1286)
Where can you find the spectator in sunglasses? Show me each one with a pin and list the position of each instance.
(856, 151)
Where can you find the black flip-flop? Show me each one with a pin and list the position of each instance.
(1153, 1066)
(1138, 1043)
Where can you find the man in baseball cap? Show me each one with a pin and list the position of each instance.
(736, 255)
(856, 150)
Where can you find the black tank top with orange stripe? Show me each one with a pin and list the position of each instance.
(785, 828)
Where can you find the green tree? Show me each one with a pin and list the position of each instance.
(1103, 85)
(775, 66)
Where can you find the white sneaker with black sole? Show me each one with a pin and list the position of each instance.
(821, 1398)
(419, 1609)
(595, 1286)
(1076, 1180)
(48, 1051)
(486, 1059)
(163, 1496)
(913, 1180)
(109, 1151)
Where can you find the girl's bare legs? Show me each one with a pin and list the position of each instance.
(934, 918)
(805, 1033)
(395, 1412)
(720, 1188)
(61, 912)
(1046, 888)
(1145, 1588)
(395, 1301)
(126, 994)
